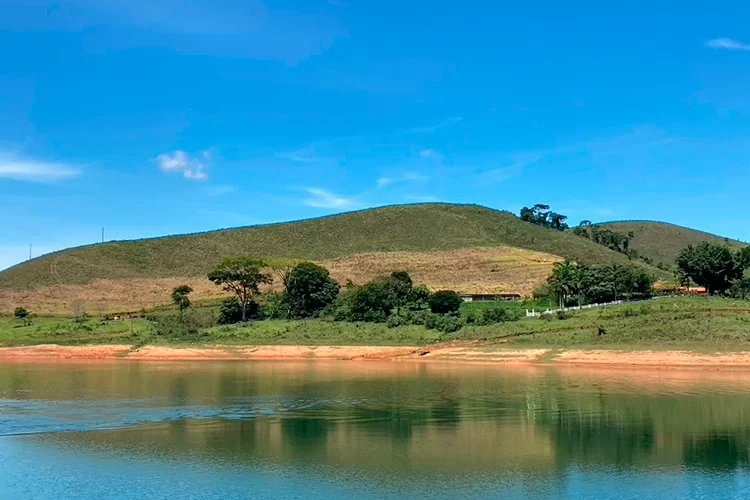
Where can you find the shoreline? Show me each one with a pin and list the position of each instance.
(473, 353)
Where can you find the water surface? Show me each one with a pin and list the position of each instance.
(328, 430)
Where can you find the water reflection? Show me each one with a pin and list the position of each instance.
(384, 418)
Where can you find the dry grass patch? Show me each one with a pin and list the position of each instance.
(487, 270)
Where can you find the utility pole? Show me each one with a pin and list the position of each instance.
(29, 251)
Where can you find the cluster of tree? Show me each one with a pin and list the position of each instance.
(596, 284)
(718, 268)
(541, 215)
(309, 291)
(613, 240)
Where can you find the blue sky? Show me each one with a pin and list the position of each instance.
(164, 116)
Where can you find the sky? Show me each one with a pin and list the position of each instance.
(158, 117)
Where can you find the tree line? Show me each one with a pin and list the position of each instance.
(571, 281)
(718, 268)
(308, 291)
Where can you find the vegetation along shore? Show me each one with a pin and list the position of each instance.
(305, 310)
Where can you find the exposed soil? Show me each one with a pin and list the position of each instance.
(453, 353)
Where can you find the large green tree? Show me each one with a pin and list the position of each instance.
(309, 290)
(710, 265)
(241, 276)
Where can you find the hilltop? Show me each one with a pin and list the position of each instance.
(465, 247)
(662, 242)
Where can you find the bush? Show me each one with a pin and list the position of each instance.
(231, 311)
(185, 327)
(498, 315)
(275, 306)
(562, 315)
(23, 315)
(445, 302)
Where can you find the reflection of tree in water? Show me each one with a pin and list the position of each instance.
(598, 438)
(305, 434)
(717, 452)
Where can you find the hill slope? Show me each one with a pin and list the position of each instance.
(663, 242)
(410, 228)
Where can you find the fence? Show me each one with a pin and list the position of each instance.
(534, 314)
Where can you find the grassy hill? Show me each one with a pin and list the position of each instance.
(409, 228)
(663, 242)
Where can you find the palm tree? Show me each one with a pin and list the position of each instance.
(562, 280)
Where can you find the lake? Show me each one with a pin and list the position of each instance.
(367, 430)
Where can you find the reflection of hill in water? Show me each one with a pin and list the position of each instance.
(400, 417)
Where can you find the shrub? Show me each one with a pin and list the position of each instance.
(231, 311)
(23, 315)
(498, 315)
(562, 315)
(445, 302)
(275, 306)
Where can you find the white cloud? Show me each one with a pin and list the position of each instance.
(728, 44)
(20, 169)
(320, 198)
(428, 153)
(180, 161)
(384, 181)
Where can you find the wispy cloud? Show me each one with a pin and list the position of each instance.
(300, 156)
(407, 177)
(429, 153)
(320, 198)
(193, 168)
(28, 170)
(515, 169)
(433, 128)
(220, 190)
(727, 44)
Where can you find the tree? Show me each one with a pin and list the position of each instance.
(310, 289)
(740, 288)
(372, 301)
(23, 315)
(743, 257)
(231, 311)
(419, 298)
(541, 215)
(710, 265)
(181, 297)
(242, 277)
(445, 302)
(282, 270)
(401, 287)
(562, 280)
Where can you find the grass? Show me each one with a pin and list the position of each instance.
(663, 242)
(484, 270)
(411, 228)
(696, 323)
(690, 323)
(65, 331)
(321, 333)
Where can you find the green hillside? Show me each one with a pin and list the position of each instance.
(428, 227)
(663, 242)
